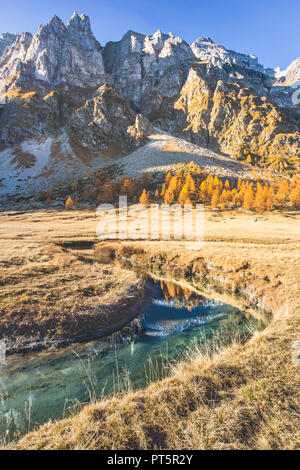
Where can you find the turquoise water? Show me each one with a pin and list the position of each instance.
(39, 386)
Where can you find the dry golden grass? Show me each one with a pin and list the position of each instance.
(10, 94)
(50, 95)
(243, 397)
(83, 153)
(50, 292)
(22, 159)
(28, 96)
(18, 94)
(113, 150)
(173, 146)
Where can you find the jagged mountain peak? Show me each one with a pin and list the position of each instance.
(290, 75)
(54, 25)
(205, 39)
(163, 44)
(207, 50)
(157, 35)
(77, 23)
(74, 16)
(139, 64)
(57, 54)
(6, 40)
(80, 23)
(128, 35)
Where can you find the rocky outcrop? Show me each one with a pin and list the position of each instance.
(57, 54)
(142, 124)
(229, 117)
(45, 77)
(6, 40)
(27, 115)
(103, 120)
(206, 50)
(137, 133)
(12, 61)
(148, 70)
(290, 75)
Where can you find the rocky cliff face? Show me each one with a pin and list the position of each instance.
(290, 75)
(103, 122)
(228, 116)
(148, 70)
(206, 50)
(56, 54)
(45, 77)
(6, 40)
(61, 81)
(207, 94)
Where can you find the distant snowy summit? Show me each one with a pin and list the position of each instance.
(290, 75)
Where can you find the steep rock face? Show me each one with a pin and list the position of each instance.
(44, 77)
(286, 89)
(290, 75)
(147, 69)
(12, 61)
(6, 40)
(102, 121)
(27, 115)
(233, 66)
(230, 117)
(205, 49)
(58, 54)
(212, 96)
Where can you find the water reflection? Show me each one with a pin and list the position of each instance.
(175, 308)
(40, 386)
(179, 295)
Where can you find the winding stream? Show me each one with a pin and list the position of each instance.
(39, 386)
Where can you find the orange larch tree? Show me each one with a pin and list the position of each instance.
(295, 197)
(215, 198)
(260, 198)
(69, 204)
(248, 199)
(144, 199)
(283, 191)
(169, 197)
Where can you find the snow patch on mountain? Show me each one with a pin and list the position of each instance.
(41, 164)
(290, 75)
(206, 50)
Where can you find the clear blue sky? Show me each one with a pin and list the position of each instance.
(267, 28)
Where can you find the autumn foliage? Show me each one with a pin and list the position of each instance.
(145, 197)
(69, 204)
(188, 184)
